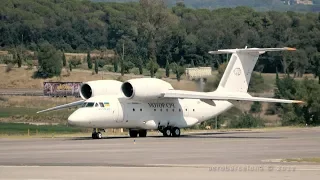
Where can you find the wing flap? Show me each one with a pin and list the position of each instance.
(77, 103)
(222, 96)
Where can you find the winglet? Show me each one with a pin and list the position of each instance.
(290, 49)
(299, 102)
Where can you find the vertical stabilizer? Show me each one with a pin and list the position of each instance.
(237, 75)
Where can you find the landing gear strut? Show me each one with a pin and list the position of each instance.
(95, 134)
(135, 133)
(171, 131)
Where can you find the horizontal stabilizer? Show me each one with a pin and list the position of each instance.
(251, 50)
(77, 103)
(180, 94)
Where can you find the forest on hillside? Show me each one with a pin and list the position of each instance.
(150, 30)
(260, 5)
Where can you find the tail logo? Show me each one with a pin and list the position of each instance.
(237, 71)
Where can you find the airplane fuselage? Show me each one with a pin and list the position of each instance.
(119, 112)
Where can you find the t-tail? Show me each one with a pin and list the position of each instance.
(236, 77)
(235, 80)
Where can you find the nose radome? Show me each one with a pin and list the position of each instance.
(72, 119)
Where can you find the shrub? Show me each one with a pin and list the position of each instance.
(101, 62)
(110, 68)
(246, 121)
(255, 107)
(9, 67)
(75, 62)
(50, 63)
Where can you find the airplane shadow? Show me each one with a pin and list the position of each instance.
(206, 135)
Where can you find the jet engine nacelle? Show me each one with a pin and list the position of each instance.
(100, 87)
(144, 88)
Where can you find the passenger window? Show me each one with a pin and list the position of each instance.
(101, 104)
(133, 109)
(90, 104)
(140, 109)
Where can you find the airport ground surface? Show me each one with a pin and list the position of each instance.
(213, 155)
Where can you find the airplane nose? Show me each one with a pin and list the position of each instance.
(79, 118)
(72, 120)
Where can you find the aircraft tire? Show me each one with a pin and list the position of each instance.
(94, 135)
(167, 132)
(143, 133)
(99, 135)
(133, 133)
(175, 132)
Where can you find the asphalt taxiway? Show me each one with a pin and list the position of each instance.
(247, 155)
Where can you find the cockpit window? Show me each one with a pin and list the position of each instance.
(101, 104)
(84, 104)
(96, 105)
(90, 104)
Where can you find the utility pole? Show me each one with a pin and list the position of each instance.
(122, 61)
(122, 51)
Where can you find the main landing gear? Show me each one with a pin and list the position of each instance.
(95, 134)
(135, 133)
(170, 131)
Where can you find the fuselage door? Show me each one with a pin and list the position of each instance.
(118, 112)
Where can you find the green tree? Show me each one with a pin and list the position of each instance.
(167, 69)
(89, 61)
(64, 62)
(140, 65)
(152, 67)
(70, 66)
(115, 66)
(255, 107)
(315, 62)
(192, 63)
(179, 72)
(127, 66)
(19, 59)
(49, 60)
(96, 68)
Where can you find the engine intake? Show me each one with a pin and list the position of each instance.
(100, 87)
(145, 88)
(86, 91)
(127, 89)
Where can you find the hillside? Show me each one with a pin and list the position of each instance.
(181, 35)
(259, 5)
(20, 78)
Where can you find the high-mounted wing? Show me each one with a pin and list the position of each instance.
(77, 103)
(251, 50)
(180, 94)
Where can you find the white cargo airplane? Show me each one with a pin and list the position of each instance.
(148, 103)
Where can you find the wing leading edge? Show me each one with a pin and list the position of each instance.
(180, 94)
(77, 103)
